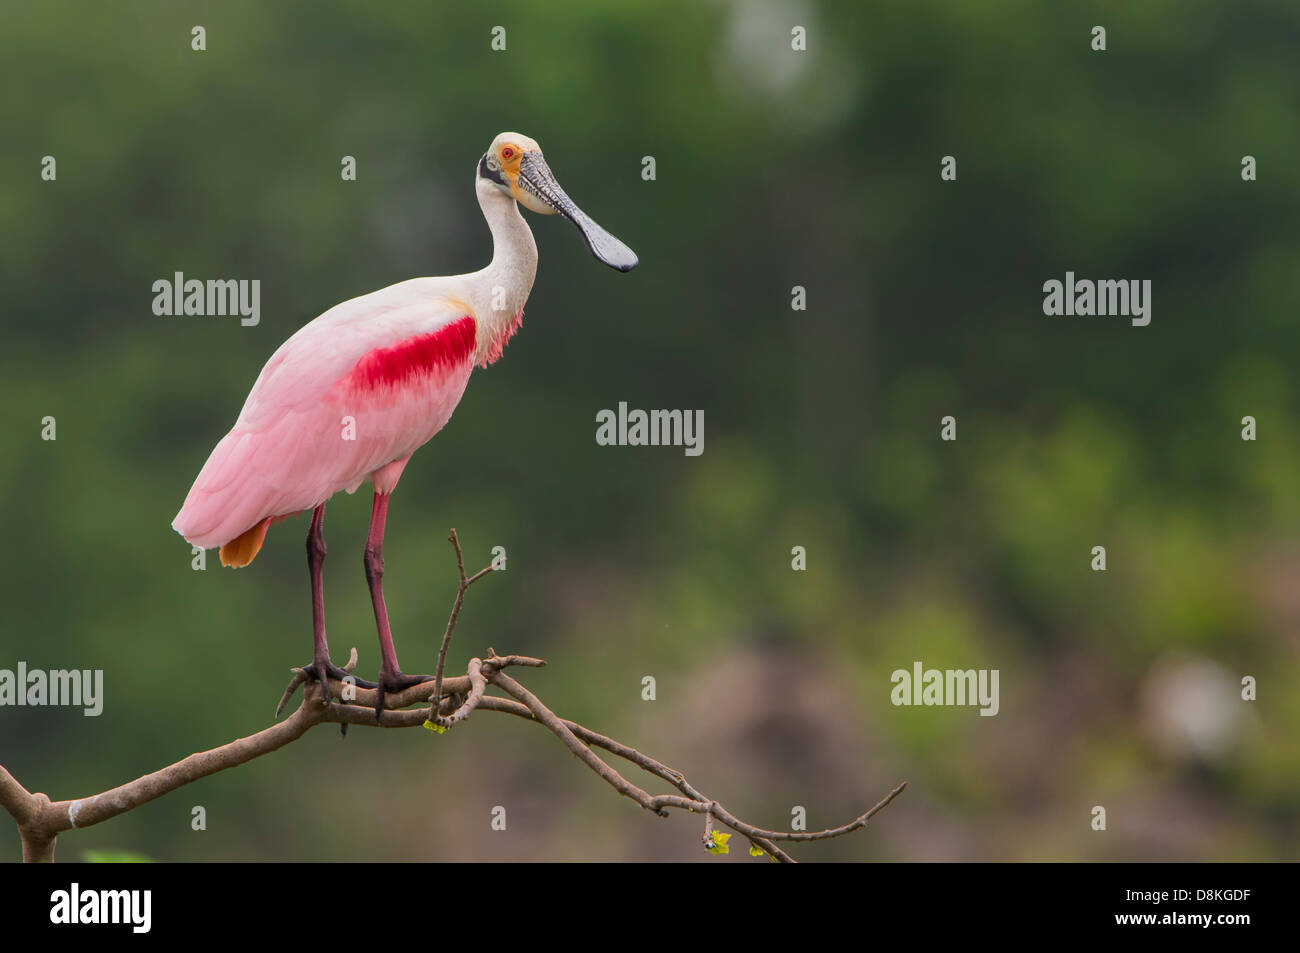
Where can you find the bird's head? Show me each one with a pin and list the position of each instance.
(515, 165)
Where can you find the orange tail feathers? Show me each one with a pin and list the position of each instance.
(243, 549)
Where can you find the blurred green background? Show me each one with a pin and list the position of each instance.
(774, 169)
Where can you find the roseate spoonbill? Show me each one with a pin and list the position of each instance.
(355, 392)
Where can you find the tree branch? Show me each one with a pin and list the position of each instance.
(450, 701)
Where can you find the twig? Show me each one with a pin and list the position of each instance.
(583, 753)
(462, 584)
(694, 800)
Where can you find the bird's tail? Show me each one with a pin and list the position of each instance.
(243, 549)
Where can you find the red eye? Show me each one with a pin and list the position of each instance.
(507, 153)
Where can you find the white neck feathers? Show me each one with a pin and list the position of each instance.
(500, 289)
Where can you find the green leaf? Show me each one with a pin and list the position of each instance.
(439, 729)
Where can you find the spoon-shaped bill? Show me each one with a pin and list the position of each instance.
(535, 176)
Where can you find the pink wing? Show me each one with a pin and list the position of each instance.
(360, 387)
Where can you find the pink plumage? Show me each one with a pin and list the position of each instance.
(356, 391)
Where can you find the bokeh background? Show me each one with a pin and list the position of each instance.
(774, 169)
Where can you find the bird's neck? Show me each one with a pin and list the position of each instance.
(503, 286)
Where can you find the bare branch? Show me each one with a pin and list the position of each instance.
(16, 799)
(450, 701)
(585, 754)
(479, 685)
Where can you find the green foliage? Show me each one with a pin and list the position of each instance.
(821, 426)
(114, 857)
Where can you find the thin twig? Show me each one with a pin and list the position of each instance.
(583, 753)
(462, 584)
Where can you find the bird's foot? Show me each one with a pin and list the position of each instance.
(394, 682)
(321, 670)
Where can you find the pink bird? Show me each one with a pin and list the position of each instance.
(355, 392)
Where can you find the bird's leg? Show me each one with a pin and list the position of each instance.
(321, 667)
(391, 678)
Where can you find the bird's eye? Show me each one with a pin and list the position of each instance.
(507, 153)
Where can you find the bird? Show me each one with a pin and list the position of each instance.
(356, 391)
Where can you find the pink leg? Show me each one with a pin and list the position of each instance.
(315, 560)
(321, 666)
(391, 678)
(374, 559)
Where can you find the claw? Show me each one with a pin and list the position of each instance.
(394, 683)
(321, 670)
